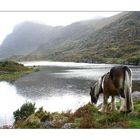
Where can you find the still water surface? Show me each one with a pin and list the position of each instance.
(58, 86)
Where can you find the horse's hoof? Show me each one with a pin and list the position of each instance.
(126, 111)
(101, 110)
(122, 111)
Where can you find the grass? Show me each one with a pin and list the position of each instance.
(13, 76)
(85, 117)
(134, 123)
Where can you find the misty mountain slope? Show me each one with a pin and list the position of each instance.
(72, 35)
(26, 37)
(118, 41)
(112, 40)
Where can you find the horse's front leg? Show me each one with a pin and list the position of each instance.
(104, 105)
(123, 105)
(113, 104)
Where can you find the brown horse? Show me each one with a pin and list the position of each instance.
(118, 82)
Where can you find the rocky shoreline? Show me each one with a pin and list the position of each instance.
(136, 95)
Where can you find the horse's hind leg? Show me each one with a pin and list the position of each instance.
(123, 105)
(113, 104)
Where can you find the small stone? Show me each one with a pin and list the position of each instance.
(7, 127)
(67, 126)
(48, 124)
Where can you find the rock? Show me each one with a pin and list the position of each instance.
(4, 72)
(48, 124)
(7, 127)
(135, 95)
(67, 126)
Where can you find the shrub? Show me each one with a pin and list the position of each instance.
(43, 115)
(86, 109)
(36, 69)
(4, 63)
(87, 121)
(25, 111)
(113, 119)
(134, 59)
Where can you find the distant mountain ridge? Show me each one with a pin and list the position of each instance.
(26, 37)
(108, 40)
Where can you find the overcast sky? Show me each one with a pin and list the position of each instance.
(9, 19)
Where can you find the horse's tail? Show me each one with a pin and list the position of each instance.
(128, 88)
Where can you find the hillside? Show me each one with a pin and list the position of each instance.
(109, 40)
(116, 42)
(26, 37)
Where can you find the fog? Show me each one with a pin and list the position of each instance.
(10, 19)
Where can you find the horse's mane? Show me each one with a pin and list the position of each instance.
(98, 86)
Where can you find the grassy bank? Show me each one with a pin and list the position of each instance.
(87, 116)
(10, 71)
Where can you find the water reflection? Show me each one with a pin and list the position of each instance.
(67, 102)
(65, 64)
(87, 74)
(81, 70)
(58, 86)
(9, 102)
(59, 100)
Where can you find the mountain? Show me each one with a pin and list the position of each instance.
(26, 37)
(109, 40)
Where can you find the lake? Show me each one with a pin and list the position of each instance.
(58, 86)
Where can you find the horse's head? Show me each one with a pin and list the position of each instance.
(94, 98)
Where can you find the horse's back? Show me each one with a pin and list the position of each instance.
(119, 70)
(114, 80)
(117, 74)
